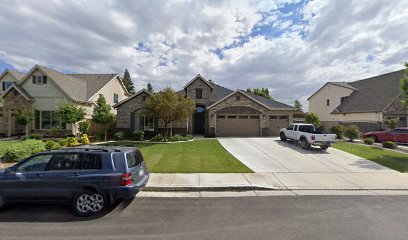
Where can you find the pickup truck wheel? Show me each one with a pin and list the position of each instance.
(324, 147)
(283, 137)
(87, 203)
(304, 143)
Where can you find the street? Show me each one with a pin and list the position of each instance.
(276, 217)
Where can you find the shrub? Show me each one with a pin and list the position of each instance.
(84, 127)
(138, 135)
(178, 137)
(338, 130)
(369, 141)
(56, 132)
(23, 150)
(352, 132)
(157, 138)
(312, 118)
(63, 142)
(84, 139)
(24, 137)
(389, 144)
(52, 145)
(72, 142)
(119, 136)
(37, 136)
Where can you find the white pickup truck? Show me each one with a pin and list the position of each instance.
(307, 135)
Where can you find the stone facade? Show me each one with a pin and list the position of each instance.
(13, 100)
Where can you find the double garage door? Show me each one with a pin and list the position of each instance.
(237, 126)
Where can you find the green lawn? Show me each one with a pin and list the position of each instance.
(5, 144)
(395, 160)
(203, 156)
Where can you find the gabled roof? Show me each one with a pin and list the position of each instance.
(131, 97)
(18, 75)
(19, 89)
(339, 84)
(374, 94)
(95, 82)
(198, 77)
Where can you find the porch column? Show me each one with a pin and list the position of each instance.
(9, 124)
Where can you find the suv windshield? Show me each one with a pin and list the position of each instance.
(134, 158)
(306, 128)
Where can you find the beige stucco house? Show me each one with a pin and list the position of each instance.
(366, 103)
(44, 89)
(219, 112)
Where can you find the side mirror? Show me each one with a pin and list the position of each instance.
(9, 170)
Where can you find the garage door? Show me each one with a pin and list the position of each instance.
(276, 123)
(238, 126)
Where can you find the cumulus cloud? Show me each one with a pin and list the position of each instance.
(290, 46)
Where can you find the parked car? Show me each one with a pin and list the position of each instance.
(89, 178)
(397, 135)
(307, 135)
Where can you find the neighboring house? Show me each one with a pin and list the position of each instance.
(366, 103)
(44, 89)
(219, 112)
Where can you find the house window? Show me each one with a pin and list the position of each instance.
(328, 102)
(144, 98)
(342, 99)
(5, 85)
(199, 93)
(237, 98)
(47, 120)
(39, 79)
(147, 123)
(115, 98)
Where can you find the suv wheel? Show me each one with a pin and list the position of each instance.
(87, 203)
(304, 143)
(282, 137)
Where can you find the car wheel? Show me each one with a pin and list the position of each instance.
(283, 137)
(373, 137)
(324, 147)
(304, 143)
(87, 203)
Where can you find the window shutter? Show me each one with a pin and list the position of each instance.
(34, 80)
(44, 79)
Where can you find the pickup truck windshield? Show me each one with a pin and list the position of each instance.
(306, 128)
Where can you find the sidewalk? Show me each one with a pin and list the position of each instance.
(276, 181)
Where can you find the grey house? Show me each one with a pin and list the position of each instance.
(219, 112)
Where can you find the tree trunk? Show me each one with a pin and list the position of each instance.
(26, 130)
(74, 128)
(165, 131)
(106, 131)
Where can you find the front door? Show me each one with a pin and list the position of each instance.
(199, 120)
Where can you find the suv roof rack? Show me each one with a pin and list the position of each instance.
(85, 149)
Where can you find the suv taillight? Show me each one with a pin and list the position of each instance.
(313, 137)
(126, 179)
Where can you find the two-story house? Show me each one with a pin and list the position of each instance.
(366, 103)
(219, 112)
(44, 89)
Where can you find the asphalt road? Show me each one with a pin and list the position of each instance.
(278, 217)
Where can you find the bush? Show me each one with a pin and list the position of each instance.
(369, 141)
(24, 137)
(23, 150)
(178, 137)
(63, 142)
(37, 136)
(157, 138)
(84, 139)
(389, 144)
(56, 132)
(72, 142)
(84, 127)
(312, 118)
(338, 130)
(138, 135)
(352, 132)
(52, 145)
(119, 136)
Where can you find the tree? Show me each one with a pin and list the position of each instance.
(127, 81)
(298, 106)
(392, 123)
(169, 106)
(150, 88)
(102, 113)
(404, 86)
(264, 92)
(70, 113)
(24, 116)
(313, 118)
(84, 127)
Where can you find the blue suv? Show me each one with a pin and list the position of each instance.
(89, 178)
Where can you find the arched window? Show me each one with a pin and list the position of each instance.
(199, 93)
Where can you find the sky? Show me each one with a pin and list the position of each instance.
(291, 47)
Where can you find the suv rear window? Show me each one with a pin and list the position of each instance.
(133, 159)
(91, 161)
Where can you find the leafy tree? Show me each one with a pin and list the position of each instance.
(392, 123)
(352, 132)
(169, 106)
(264, 92)
(102, 114)
(127, 81)
(70, 113)
(404, 86)
(150, 88)
(24, 116)
(312, 118)
(298, 106)
(84, 127)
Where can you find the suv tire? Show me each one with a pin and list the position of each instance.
(283, 137)
(87, 203)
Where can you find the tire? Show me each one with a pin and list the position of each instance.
(324, 147)
(87, 203)
(373, 137)
(283, 137)
(304, 143)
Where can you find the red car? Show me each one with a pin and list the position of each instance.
(397, 135)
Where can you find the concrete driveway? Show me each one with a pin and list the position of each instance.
(271, 155)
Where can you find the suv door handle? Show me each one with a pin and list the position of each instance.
(75, 174)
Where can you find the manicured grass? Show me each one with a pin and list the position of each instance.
(5, 144)
(395, 160)
(203, 156)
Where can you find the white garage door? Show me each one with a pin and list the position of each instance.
(237, 126)
(276, 123)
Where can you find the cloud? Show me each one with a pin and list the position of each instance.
(292, 47)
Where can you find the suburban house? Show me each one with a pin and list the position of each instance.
(219, 112)
(43, 89)
(366, 103)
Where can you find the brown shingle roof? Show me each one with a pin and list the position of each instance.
(94, 82)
